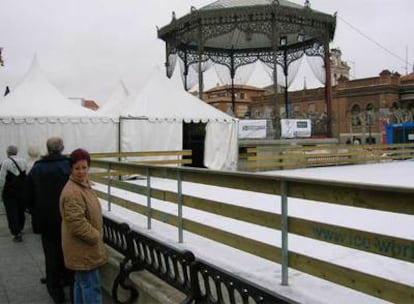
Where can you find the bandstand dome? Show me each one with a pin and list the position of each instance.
(234, 33)
(251, 22)
(249, 29)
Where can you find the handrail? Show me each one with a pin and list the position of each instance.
(141, 153)
(176, 157)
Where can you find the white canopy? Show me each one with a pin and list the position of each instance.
(161, 99)
(35, 110)
(153, 120)
(113, 105)
(36, 96)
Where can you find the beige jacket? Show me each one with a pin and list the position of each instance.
(82, 227)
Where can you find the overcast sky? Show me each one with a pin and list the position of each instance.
(86, 46)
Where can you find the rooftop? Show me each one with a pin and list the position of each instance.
(240, 3)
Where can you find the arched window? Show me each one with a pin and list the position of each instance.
(394, 105)
(355, 113)
(370, 114)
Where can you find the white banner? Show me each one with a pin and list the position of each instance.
(252, 128)
(292, 128)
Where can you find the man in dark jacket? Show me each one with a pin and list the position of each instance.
(45, 182)
(12, 186)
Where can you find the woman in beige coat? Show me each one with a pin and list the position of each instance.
(82, 235)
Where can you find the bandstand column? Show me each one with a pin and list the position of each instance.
(275, 45)
(232, 74)
(275, 78)
(200, 57)
(167, 59)
(285, 72)
(185, 70)
(328, 93)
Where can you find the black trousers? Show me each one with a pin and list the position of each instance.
(15, 209)
(57, 275)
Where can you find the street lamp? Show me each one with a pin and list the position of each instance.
(283, 42)
(370, 120)
(301, 36)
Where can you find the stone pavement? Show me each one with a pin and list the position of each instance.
(21, 267)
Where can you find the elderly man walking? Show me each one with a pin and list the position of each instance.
(12, 184)
(45, 182)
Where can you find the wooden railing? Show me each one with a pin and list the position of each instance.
(289, 157)
(380, 198)
(182, 157)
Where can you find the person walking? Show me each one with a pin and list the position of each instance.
(12, 187)
(34, 153)
(82, 231)
(45, 182)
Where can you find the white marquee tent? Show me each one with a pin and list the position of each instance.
(153, 120)
(35, 110)
(113, 104)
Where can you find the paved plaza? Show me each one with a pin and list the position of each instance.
(22, 266)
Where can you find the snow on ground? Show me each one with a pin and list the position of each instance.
(302, 287)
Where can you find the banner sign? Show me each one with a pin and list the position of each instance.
(252, 128)
(292, 128)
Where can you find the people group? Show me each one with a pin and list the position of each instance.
(65, 211)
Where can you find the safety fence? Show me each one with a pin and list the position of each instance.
(179, 157)
(200, 281)
(289, 157)
(390, 199)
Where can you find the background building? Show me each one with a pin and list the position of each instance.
(339, 68)
(360, 108)
(220, 98)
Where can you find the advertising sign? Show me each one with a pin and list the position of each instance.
(252, 128)
(293, 128)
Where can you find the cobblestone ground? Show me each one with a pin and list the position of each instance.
(21, 267)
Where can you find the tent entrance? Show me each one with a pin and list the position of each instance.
(194, 135)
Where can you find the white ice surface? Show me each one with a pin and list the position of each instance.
(302, 287)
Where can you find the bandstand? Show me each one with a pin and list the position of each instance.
(238, 33)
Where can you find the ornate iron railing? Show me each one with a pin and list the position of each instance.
(115, 235)
(201, 282)
(216, 285)
(167, 263)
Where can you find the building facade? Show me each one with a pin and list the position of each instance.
(360, 108)
(220, 98)
(339, 68)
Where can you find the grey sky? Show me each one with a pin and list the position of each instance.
(86, 46)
